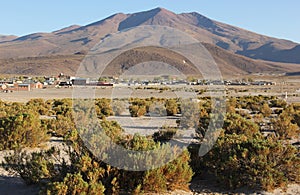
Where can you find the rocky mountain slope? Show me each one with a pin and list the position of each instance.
(231, 47)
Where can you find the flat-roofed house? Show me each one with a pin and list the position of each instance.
(23, 87)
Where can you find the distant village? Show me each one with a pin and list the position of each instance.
(27, 83)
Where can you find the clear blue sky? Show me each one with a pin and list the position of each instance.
(270, 17)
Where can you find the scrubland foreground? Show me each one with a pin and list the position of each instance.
(257, 149)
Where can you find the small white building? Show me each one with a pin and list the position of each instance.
(3, 86)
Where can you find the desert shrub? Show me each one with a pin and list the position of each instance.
(235, 124)
(75, 184)
(96, 172)
(171, 107)
(36, 167)
(293, 110)
(139, 107)
(231, 104)
(62, 107)
(112, 129)
(174, 175)
(91, 171)
(280, 103)
(254, 106)
(72, 184)
(139, 143)
(144, 105)
(297, 118)
(137, 111)
(201, 91)
(266, 110)
(284, 127)
(196, 161)
(11, 109)
(165, 134)
(238, 161)
(21, 130)
(103, 107)
(253, 103)
(59, 126)
(85, 174)
(258, 118)
(39, 106)
(154, 181)
(204, 120)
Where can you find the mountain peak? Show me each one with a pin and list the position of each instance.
(157, 9)
(160, 10)
(145, 17)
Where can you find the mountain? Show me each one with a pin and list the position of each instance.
(4, 38)
(230, 65)
(71, 39)
(228, 44)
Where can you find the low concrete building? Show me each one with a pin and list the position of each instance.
(79, 81)
(22, 87)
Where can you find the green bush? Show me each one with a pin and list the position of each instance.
(89, 171)
(137, 111)
(278, 103)
(60, 126)
(241, 156)
(266, 110)
(174, 175)
(112, 129)
(21, 130)
(165, 134)
(171, 107)
(284, 127)
(62, 107)
(75, 184)
(239, 161)
(39, 106)
(236, 124)
(36, 167)
(103, 107)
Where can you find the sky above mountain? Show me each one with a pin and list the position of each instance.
(273, 18)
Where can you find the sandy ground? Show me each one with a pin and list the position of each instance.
(143, 125)
(108, 92)
(125, 92)
(12, 184)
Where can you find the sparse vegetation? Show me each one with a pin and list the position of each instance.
(171, 107)
(242, 156)
(239, 161)
(21, 128)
